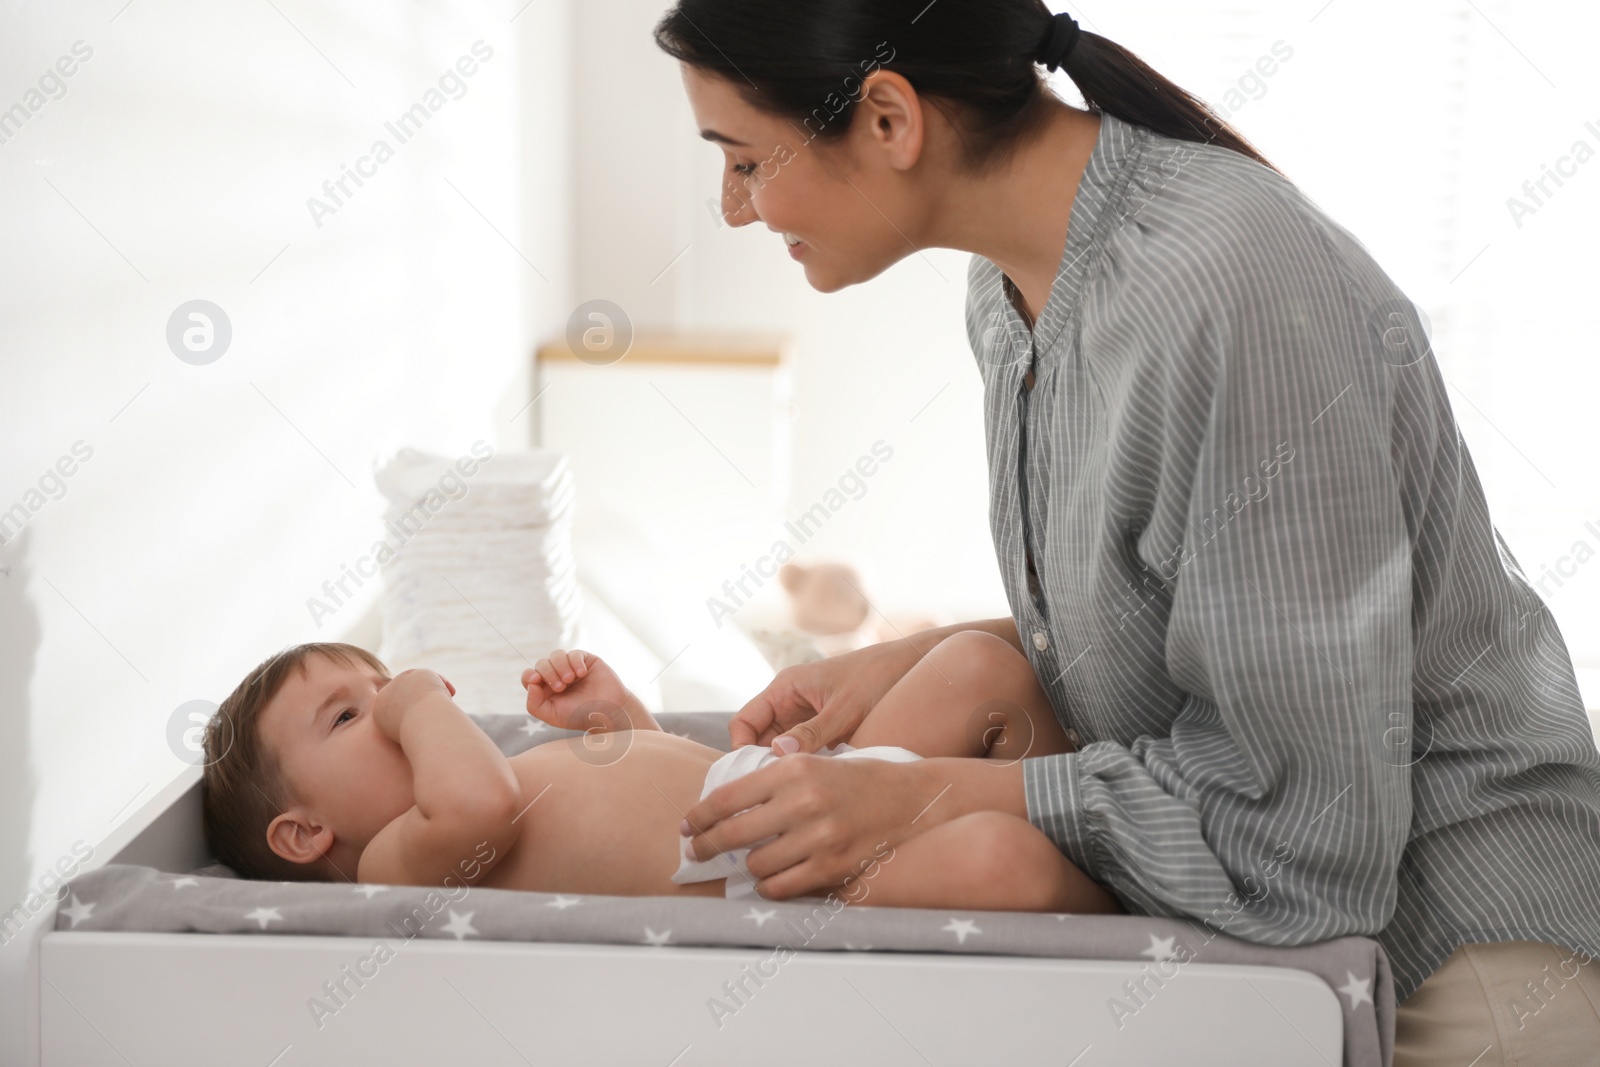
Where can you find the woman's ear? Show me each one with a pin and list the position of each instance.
(889, 115)
(297, 838)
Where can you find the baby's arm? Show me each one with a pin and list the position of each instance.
(465, 793)
(579, 691)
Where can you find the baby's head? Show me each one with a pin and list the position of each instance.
(298, 777)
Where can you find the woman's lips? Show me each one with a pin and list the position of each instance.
(796, 251)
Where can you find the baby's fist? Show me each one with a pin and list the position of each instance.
(578, 691)
(402, 692)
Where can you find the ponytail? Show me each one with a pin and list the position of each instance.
(1114, 80)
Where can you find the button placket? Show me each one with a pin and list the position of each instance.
(1033, 617)
(1025, 504)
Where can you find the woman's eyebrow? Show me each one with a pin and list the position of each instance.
(713, 135)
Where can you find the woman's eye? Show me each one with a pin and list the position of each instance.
(744, 168)
(347, 711)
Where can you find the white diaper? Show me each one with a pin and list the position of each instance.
(736, 764)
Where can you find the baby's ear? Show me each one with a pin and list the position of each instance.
(298, 840)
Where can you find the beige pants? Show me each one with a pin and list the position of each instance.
(1503, 1004)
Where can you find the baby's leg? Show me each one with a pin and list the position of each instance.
(972, 695)
(988, 860)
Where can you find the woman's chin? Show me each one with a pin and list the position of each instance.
(829, 277)
(825, 281)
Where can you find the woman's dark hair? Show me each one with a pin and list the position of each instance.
(805, 61)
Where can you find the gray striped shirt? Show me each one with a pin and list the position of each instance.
(1314, 693)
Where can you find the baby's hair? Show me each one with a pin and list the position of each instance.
(242, 788)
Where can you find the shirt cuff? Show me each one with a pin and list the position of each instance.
(1050, 784)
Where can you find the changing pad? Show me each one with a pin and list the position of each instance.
(124, 897)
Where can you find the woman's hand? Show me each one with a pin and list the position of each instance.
(831, 816)
(815, 704)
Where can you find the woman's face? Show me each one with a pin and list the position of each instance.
(852, 203)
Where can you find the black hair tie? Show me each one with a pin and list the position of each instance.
(1057, 41)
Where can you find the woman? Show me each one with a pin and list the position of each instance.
(1244, 546)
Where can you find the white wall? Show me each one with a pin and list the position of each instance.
(218, 498)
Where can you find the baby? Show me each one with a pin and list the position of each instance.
(320, 766)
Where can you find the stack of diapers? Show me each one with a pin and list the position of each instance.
(482, 580)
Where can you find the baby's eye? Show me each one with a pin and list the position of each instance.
(342, 714)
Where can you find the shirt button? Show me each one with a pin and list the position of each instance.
(1040, 641)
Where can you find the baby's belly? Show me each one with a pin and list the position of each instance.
(606, 818)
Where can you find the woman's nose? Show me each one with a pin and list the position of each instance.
(736, 207)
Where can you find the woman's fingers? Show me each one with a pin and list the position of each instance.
(719, 822)
(824, 817)
(820, 730)
(811, 705)
(756, 825)
(804, 844)
(836, 721)
(753, 721)
(806, 854)
(805, 877)
(790, 698)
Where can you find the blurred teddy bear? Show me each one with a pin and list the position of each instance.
(828, 604)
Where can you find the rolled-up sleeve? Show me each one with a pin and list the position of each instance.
(1278, 804)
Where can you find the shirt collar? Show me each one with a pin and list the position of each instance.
(1097, 206)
